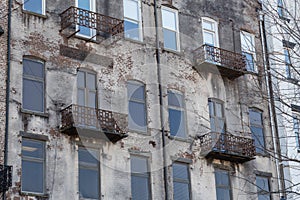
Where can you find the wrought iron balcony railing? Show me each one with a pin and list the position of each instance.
(227, 147)
(5, 178)
(229, 63)
(85, 121)
(74, 16)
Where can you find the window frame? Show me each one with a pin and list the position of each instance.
(43, 8)
(34, 160)
(138, 21)
(229, 187)
(179, 180)
(89, 168)
(280, 9)
(258, 126)
(215, 117)
(287, 63)
(148, 176)
(86, 89)
(251, 50)
(36, 79)
(182, 111)
(177, 27)
(269, 185)
(296, 130)
(214, 32)
(144, 102)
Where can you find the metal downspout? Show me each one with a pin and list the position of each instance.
(165, 167)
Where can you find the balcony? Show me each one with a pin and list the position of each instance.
(92, 122)
(5, 178)
(227, 147)
(73, 18)
(219, 61)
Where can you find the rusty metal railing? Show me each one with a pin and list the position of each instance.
(81, 116)
(227, 143)
(221, 57)
(101, 23)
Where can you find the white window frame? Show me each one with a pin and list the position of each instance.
(43, 7)
(250, 50)
(296, 130)
(214, 32)
(92, 31)
(177, 26)
(138, 21)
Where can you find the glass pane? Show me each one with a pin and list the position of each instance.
(140, 188)
(33, 95)
(138, 165)
(34, 6)
(220, 126)
(32, 176)
(137, 116)
(175, 99)
(169, 19)
(246, 42)
(33, 68)
(91, 81)
(92, 100)
(263, 188)
(181, 191)
(131, 9)
(136, 91)
(177, 123)
(212, 124)
(170, 40)
(84, 4)
(131, 29)
(80, 79)
(219, 110)
(209, 38)
(180, 171)
(80, 97)
(208, 25)
(211, 108)
(88, 157)
(223, 194)
(89, 183)
(249, 61)
(32, 148)
(255, 117)
(258, 136)
(222, 178)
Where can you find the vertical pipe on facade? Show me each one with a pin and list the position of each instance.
(272, 110)
(161, 103)
(7, 88)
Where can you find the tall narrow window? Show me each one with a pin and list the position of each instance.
(216, 115)
(136, 106)
(140, 178)
(33, 85)
(248, 50)
(133, 19)
(170, 28)
(86, 89)
(256, 127)
(280, 8)
(85, 18)
(223, 187)
(263, 188)
(176, 114)
(33, 166)
(288, 63)
(88, 173)
(210, 32)
(35, 6)
(296, 121)
(181, 181)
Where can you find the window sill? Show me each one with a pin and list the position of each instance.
(46, 115)
(188, 140)
(135, 41)
(35, 14)
(285, 19)
(139, 132)
(179, 53)
(41, 196)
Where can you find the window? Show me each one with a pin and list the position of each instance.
(86, 18)
(181, 181)
(136, 106)
(133, 19)
(296, 121)
(263, 188)
(35, 6)
(176, 114)
(86, 89)
(216, 115)
(33, 85)
(210, 32)
(89, 175)
(280, 8)
(140, 178)
(33, 166)
(288, 63)
(256, 127)
(170, 28)
(223, 187)
(248, 50)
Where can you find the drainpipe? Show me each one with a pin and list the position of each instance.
(161, 104)
(272, 110)
(7, 88)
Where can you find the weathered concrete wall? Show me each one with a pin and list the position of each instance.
(122, 60)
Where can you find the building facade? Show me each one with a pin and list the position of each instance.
(139, 100)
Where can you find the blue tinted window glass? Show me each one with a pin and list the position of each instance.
(33, 95)
(32, 149)
(138, 165)
(258, 136)
(181, 181)
(263, 189)
(175, 99)
(131, 29)
(88, 157)
(170, 41)
(32, 176)
(139, 188)
(137, 116)
(33, 68)
(177, 123)
(181, 191)
(180, 171)
(88, 183)
(249, 61)
(35, 6)
(136, 91)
